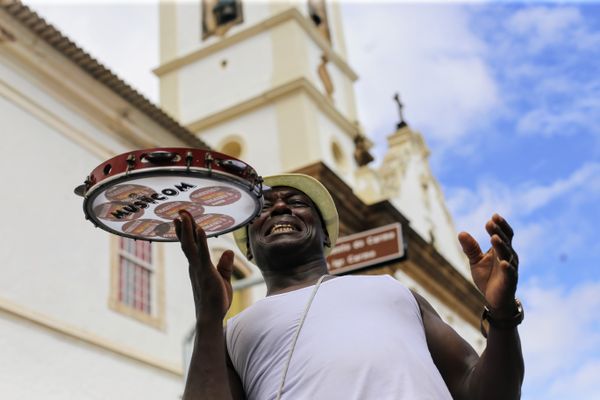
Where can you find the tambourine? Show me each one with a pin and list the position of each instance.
(138, 194)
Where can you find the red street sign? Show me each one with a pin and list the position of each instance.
(366, 249)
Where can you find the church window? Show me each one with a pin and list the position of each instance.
(338, 156)
(317, 11)
(136, 280)
(135, 274)
(218, 16)
(232, 146)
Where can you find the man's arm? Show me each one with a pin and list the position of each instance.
(209, 375)
(498, 373)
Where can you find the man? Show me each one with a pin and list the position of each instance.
(320, 337)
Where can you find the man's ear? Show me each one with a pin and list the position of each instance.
(327, 240)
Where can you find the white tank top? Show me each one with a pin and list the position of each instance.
(363, 339)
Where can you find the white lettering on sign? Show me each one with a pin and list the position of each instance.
(382, 237)
(358, 244)
(365, 255)
(365, 249)
(341, 248)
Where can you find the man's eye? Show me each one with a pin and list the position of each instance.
(298, 203)
(266, 206)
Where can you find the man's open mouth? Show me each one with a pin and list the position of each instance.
(281, 228)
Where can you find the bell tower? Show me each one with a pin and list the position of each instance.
(264, 81)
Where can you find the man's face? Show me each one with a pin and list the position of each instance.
(288, 224)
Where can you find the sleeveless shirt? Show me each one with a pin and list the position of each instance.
(363, 339)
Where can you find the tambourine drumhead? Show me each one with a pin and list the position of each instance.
(143, 203)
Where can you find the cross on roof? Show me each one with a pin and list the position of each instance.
(402, 122)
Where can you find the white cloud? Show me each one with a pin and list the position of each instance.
(540, 195)
(471, 208)
(564, 118)
(551, 51)
(580, 384)
(543, 26)
(428, 54)
(561, 337)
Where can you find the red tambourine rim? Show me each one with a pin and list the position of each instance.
(252, 189)
(117, 165)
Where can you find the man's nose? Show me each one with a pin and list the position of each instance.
(280, 207)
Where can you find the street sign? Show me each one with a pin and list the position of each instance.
(367, 249)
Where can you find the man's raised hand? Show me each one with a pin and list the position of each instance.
(211, 286)
(495, 272)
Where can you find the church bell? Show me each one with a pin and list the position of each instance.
(225, 11)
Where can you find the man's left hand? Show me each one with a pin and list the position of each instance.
(495, 272)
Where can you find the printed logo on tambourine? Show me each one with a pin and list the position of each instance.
(166, 230)
(171, 209)
(117, 211)
(141, 227)
(216, 196)
(215, 222)
(128, 192)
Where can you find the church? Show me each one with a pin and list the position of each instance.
(89, 315)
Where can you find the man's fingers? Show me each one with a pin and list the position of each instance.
(225, 265)
(503, 250)
(470, 247)
(493, 228)
(184, 231)
(504, 226)
(177, 223)
(193, 240)
(202, 246)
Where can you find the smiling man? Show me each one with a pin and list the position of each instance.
(320, 337)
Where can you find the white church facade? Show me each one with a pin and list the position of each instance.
(88, 315)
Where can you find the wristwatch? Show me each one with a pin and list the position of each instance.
(502, 323)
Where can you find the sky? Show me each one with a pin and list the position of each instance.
(507, 96)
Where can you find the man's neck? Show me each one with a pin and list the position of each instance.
(285, 280)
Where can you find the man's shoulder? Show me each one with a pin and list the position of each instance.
(373, 279)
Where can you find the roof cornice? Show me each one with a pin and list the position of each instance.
(67, 48)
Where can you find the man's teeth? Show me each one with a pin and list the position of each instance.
(282, 228)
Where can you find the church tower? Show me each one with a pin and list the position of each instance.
(408, 182)
(267, 82)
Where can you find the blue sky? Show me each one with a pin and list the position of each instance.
(507, 96)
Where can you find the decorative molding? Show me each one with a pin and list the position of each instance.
(33, 31)
(89, 338)
(96, 104)
(51, 119)
(325, 77)
(6, 36)
(286, 89)
(291, 14)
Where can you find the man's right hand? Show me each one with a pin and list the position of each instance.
(211, 286)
